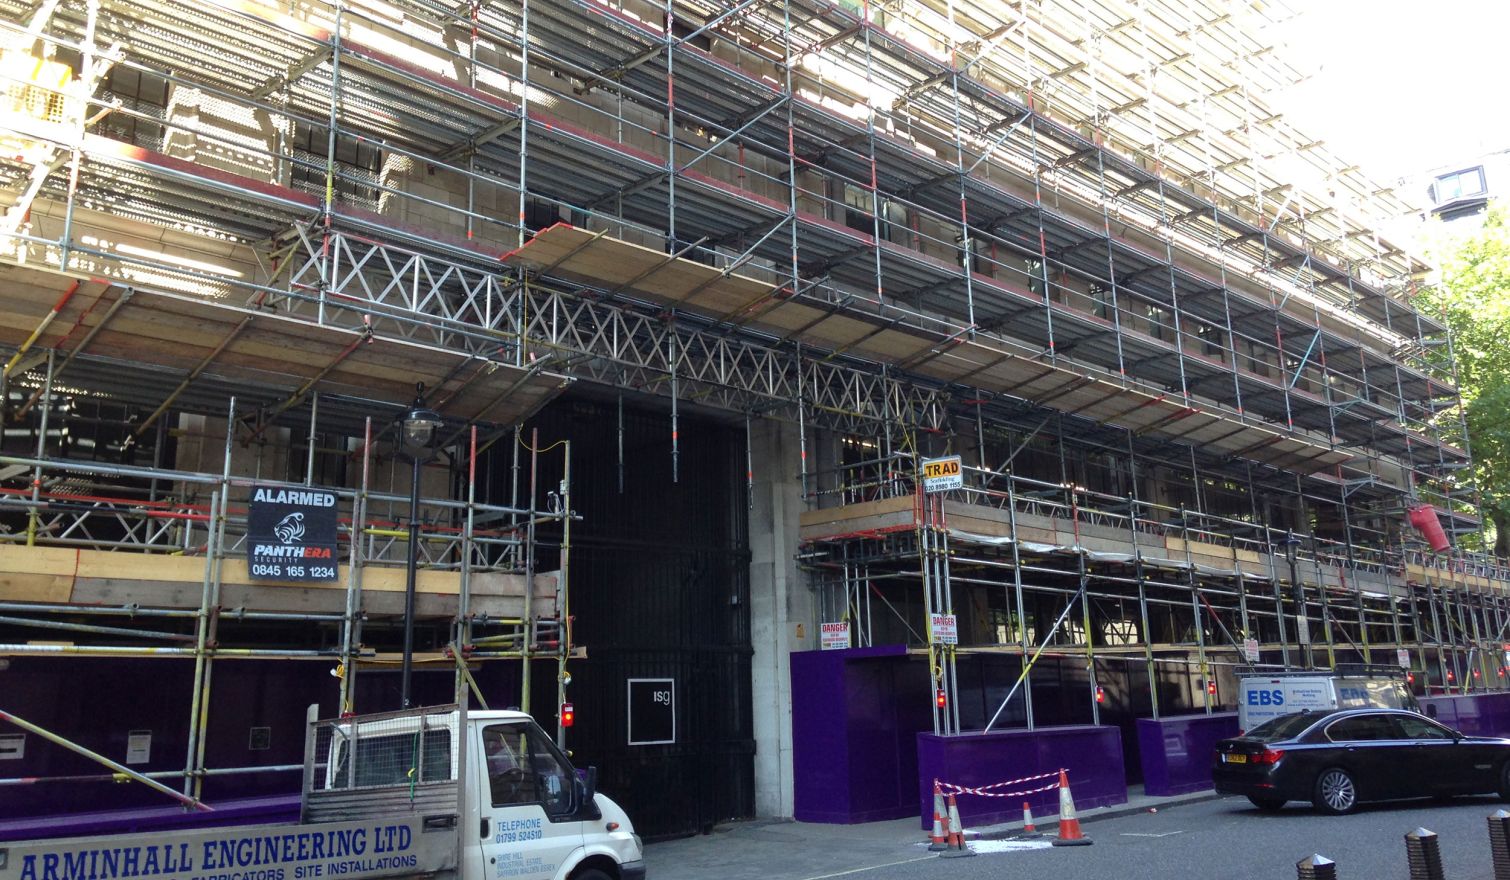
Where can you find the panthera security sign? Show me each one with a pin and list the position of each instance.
(291, 534)
(940, 474)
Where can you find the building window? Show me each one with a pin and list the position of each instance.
(358, 165)
(1465, 184)
(1037, 283)
(1258, 359)
(857, 205)
(894, 226)
(683, 31)
(541, 214)
(1158, 327)
(1104, 302)
(1211, 340)
(144, 105)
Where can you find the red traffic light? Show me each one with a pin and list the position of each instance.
(1410, 678)
(940, 699)
(1100, 694)
(1211, 687)
(1450, 676)
(568, 715)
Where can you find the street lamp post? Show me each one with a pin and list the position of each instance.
(418, 429)
(1302, 622)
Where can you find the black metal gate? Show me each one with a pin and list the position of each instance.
(659, 590)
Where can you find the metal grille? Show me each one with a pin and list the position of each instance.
(378, 751)
(34, 86)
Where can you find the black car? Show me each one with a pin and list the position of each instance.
(1336, 760)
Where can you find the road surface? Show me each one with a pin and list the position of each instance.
(1224, 838)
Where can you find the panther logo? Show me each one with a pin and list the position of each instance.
(290, 529)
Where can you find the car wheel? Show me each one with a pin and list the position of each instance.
(1335, 792)
(1267, 804)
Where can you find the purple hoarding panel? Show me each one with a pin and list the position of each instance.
(853, 725)
(1092, 755)
(820, 743)
(249, 811)
(1473, 714)
(1176, 751)
(255, 722)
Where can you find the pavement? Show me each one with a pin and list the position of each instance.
(781, 849)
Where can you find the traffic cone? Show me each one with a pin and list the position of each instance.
(1029, 830)
(957, 846)
(1069, 826)
(936, 841)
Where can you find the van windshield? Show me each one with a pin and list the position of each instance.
(1283, 727)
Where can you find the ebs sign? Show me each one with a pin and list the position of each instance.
(1266, 698)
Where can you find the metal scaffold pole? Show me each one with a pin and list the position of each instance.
(204, 630)
(527, 639)
(351, 618)
(564, 625)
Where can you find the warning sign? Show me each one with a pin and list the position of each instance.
(1250, 650)
(942, 474)
(944, 630)
(1403, 657)
(291, 534)
(835, 636)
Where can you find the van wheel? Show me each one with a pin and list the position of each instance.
(1335, 793)
(590, 874)
(1267, 804)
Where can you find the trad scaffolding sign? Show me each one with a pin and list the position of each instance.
(291, 534)
(942, 474)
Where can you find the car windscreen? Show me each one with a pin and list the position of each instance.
(1283, 727)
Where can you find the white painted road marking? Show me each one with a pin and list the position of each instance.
(871, 868)
(1165, 834)
(1001, 846)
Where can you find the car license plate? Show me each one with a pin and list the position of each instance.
(1235, 759)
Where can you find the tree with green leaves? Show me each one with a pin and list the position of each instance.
(1473, 296)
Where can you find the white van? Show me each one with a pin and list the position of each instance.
(440, 794)
(1261, 696)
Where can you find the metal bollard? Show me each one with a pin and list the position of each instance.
(1316, 867)
(1423, 852)
(1499, 843)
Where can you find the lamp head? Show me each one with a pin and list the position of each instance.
(420, 422)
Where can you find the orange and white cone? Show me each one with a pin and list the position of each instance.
(1069, 826)
(936, 841)
(1028, 828)
(957, 846)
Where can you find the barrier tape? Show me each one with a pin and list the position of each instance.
(987, 790)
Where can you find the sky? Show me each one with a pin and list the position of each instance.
(1402, 88)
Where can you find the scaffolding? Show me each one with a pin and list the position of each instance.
(120, 561)
(1039, 570)
(1080, 234)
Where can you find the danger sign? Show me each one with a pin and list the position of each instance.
(945, 630)
(835, 636)
(941, 474)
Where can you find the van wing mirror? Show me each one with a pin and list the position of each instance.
(590, 784)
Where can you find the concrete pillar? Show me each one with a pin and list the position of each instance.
(782, 615)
